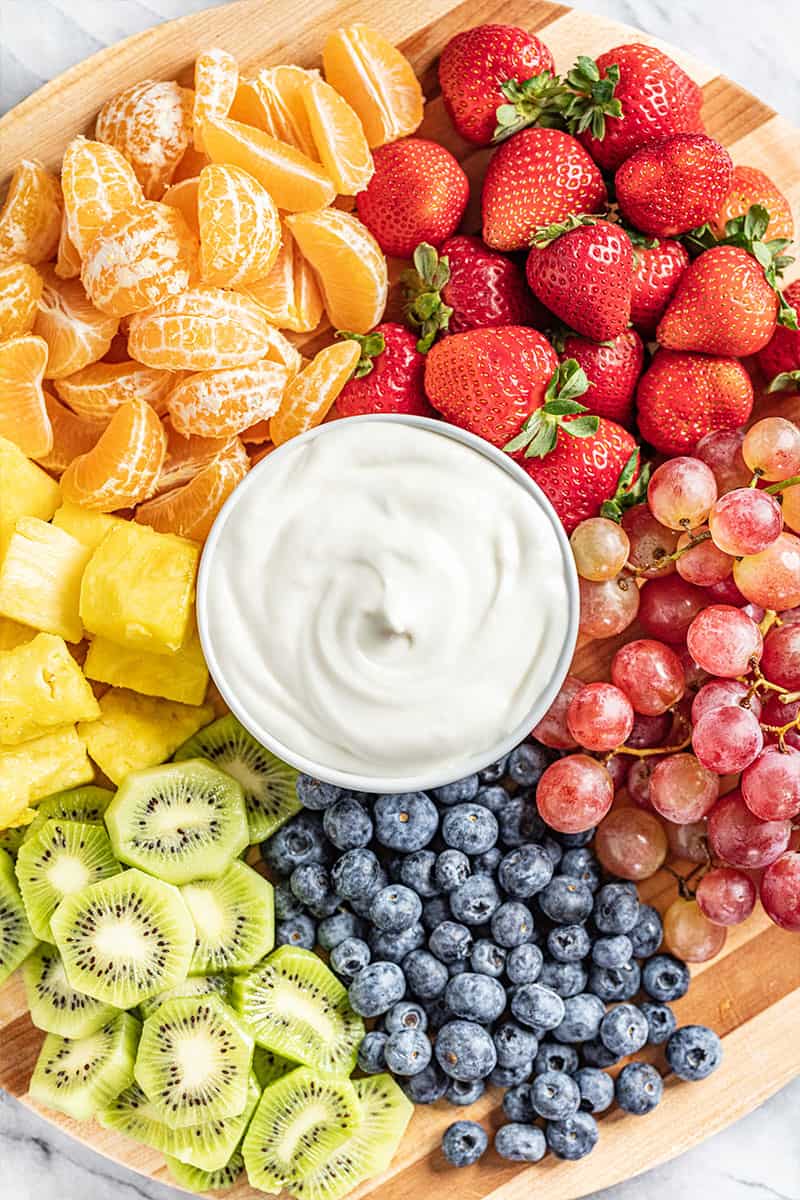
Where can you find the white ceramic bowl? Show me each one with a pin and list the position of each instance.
(471, 763)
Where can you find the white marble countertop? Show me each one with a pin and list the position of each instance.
(754, 43)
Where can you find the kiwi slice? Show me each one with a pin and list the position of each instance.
(385, 1114)
(80, 1076)
(54, 1004)
(194, 985)
(270, 794)
(297, 1007)
(11, 840)
(195, 1180)
(234, 919)
(300, 1119)
(194, 1061)
(87, 804)
(179, 822)
(269, 1066)
(62, 858)
(16, 936)
(125, 938)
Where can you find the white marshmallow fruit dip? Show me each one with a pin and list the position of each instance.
(387, 603)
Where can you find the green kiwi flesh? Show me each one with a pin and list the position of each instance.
(234, 919)
(64, 857)
(193, 985)
(194, 1061)
(298, 1008)
(180, 822)
(16, 936)
(125, 938)
(269, 784)
(55, 1006)
(80, 1076)
(299, 1121)
(86, 804)
(11, 840)
(195, 1180)
(269, 1066)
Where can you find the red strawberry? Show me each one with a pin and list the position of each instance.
(751, 186)
(417, 194)
(656, 272)
(537, 177)
(612, 368)
(473, 67)
(582, 271)
(669, 187)
(780, 358)
(682, 397)
(490, 380)
(389, 376)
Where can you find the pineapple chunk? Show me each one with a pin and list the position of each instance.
(40, 578)
(25, 490)
(12, 634)
(139, 731)
(87, 526)
(181, 676)
(138, 589)
(37, 769)
(41, 688)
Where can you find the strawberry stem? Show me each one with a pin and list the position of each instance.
(425, 309)
(546, 234)
(628, 493)
(372, 344)
(592, 98)
(534, 101)
(785, 382)
(539, 435)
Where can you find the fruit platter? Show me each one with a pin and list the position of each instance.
(399, 601)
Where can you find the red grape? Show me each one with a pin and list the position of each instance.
(689, 842)
(745, 521)
(780, 891)
(640, 777)
(689, 934)
(618, 767)
(740, 839)
(726, 740)
(772, 578)
(780, 715)
(649, 731)
(703, 564)
(574, 793)
(552, 730)
(600, 548)
(631, 843)
(682, 789)
(681, 492)
(600, 717)
(650, 674)
(781, 660)
(771, 448)
(693, 673)
(650, 542)
(726, 896)
(722, 693)
(791, 507)
(722, 451)
(725, 592)
(771, 785)
(724, 641)
(668, 606)
(608, 608)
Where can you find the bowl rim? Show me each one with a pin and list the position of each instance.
(420, 781)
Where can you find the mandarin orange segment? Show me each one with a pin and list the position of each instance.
(294, 181)
(256, 435)
(216, 77)
(205, 329)
(190, 165)
(123, 466)
(183, 196)
(140, 258)
(257, 453)
(376, 80)
(223, 403)
(349, 263)
(187, 456)
(240, 230)
(281, 350)
(339, 137)
(289, 295)
(72, 435)
(68, 261)
(20, 288)
(273, 102)
(76, 332)
(98, 183)
(191, 510)
(96, 392)
(30, 219)
(23, 415)
(311, 394)
(151, 124)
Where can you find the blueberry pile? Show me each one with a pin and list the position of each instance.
(490, 951)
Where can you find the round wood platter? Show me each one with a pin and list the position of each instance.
(751, 993)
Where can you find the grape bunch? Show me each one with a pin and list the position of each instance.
(693, 748)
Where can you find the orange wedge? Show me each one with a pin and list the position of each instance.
(30, 219)
(123, 466)
(187, 456)
(76, 332)
(376, 80)
(216, 76)
(289, 295)
(311, 394)
(190, 165)
(205, 329)
(293, 180)
(183, 196)
(20, 288)
(339, 138)
(96, 392)
(99, 183)
(68, 261)
(349, 263)
(273, 102)
(151, 124)
(256, 435)
(240, 230)
(23, 415)
(223, 403)
(72, 435)
(191, 510)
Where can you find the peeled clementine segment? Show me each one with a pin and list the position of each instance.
(20, 288)
(223, 403)
(72, 435)
(256, 435)
(123, 466)
(257, 453)
(216, 76)
(30, 219)
(76, 332)
(191, 510)
(190, 165)
(205, 329)
(183, 196)
(294, 181)
(281, 350)
(96, 392)
(310, 395)
(187, 456)
(376, 80)
(273, 102)
(289, 295)
(23, 415)
(98, 183)
(349, 263)
(151, 124)
(240, 230)
(339, 138)
(68, 261)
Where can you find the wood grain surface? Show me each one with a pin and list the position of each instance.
(751, 993)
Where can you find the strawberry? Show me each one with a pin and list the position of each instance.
(538, 177)
(670, 186)
(780, 358)
(490, 380)
(657, 268)
(418, 193)
(473, 67)
(612, 369)
(389, 377)
(751, 186)
(582, 270)
(682, 397)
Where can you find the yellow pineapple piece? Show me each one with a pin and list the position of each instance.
(180, 676)
(40, 578)
(25, 490)
(87, 526)
(41, 688)
(38, 768)
(139, 731)
(12, 634)
(138, 588)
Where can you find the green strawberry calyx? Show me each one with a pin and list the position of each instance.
(372, 344)
(787, 381)
(546, 234)
(425, 309)
(630, 490)
(591, 97)
(539, 435)
(581, 100)
(534, 101)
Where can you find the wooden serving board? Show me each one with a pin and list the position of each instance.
(751, 993)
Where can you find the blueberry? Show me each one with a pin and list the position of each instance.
(311, 884)
(615, 983)
(567, 979)
(357, 875)
(314, 794)
(451, 942)
(569, 943)
(612, 951)
(457, 968)
(438, 1013)
(434, 911)
(405, 1015)
(487, 958)
(425, 975)
(296, 931)
(350, 957)
(376, 988)
(464, 1050)
(638, 1089)
(693, 1052)
(393, 947)
(552, 1056)
(537, 1006)
(661, 1022)
(371, 1057)
(451, 870)
(335, 929)
(624, 1030)
(475, 997)
(456, 793)
(555, 1095)
(582, 1017)
(470, 828)
(574, 1137)
(427, 1087)
(552, 849)
(596, 1089)
(488, 862)
(519, 821)
(566, 900)
(362, 904)
(512, 924)
(300, 840)
(517, 1103)
(576, 841)
(464, 1142)
(515, 1046)
(506, 1077)
(347, 824)
(527, 764)
(524, 963)
(395, 908)
(407, 1052)
(494, 772)
(493, 798)
(417, 872)
(406, 821)
(665, 978)
(464, 1093)
(582, 864)
(525, 871)
(616, 908)
(595, 1054)
(286, 903)
(519, 1142)
(474, 901)
(647, 933)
